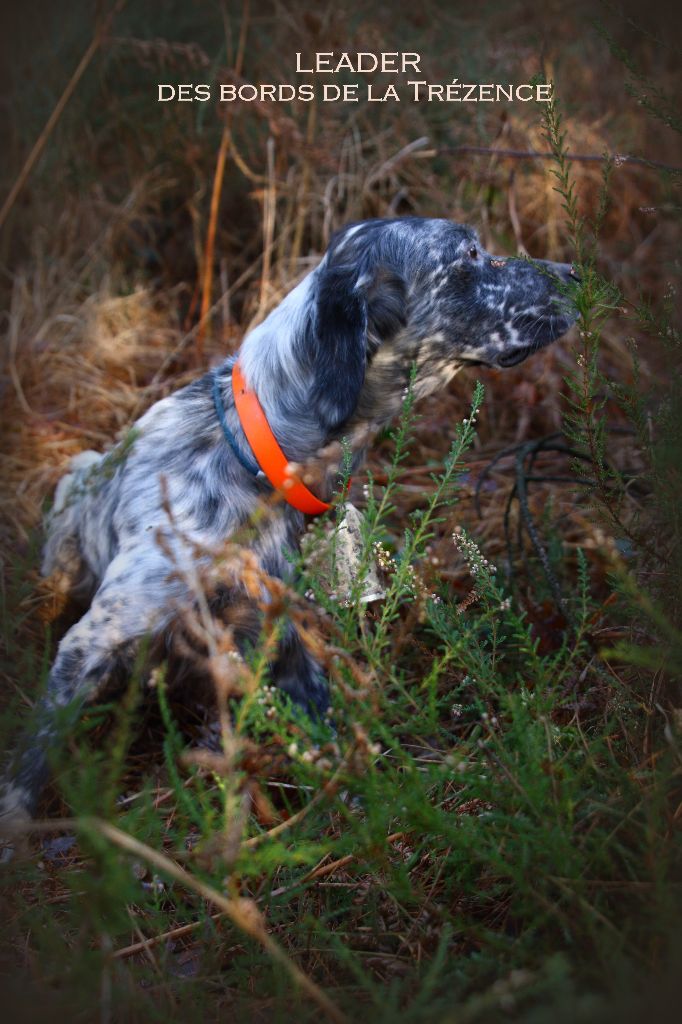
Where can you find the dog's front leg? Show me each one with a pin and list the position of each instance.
(297, 673)
(294, 670)
(134, 600)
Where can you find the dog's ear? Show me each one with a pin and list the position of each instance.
(386, 306)
(355, 312)
(340, 341)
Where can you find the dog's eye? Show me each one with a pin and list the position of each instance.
(473, 252)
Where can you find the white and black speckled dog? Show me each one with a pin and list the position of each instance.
(335, 355)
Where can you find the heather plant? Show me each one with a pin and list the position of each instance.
(470, 779)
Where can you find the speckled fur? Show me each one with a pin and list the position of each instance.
(334, 358)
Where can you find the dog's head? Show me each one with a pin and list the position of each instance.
(390, 293)
(394, 291)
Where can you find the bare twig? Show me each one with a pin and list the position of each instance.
(207, 281)
(269, 212)
(327, 869)
(176, 933)
(100, 32)
(243, 913)
(514, 216)
(617, 159)
(388, 165)
(304, 189)
(207, 284)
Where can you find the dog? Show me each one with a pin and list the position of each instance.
(335, 357)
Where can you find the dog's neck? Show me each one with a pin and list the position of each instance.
(389, 374)
(273, 361)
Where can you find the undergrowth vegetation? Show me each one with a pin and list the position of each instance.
(485, 825)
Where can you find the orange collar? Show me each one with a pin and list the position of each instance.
(267, 451)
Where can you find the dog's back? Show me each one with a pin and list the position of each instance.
(62, 557)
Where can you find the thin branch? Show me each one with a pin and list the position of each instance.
(243, 913)
(226, 138)
(32, 157)
(311, 876)
(328, 789)
(619, 160)
(174, 933)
